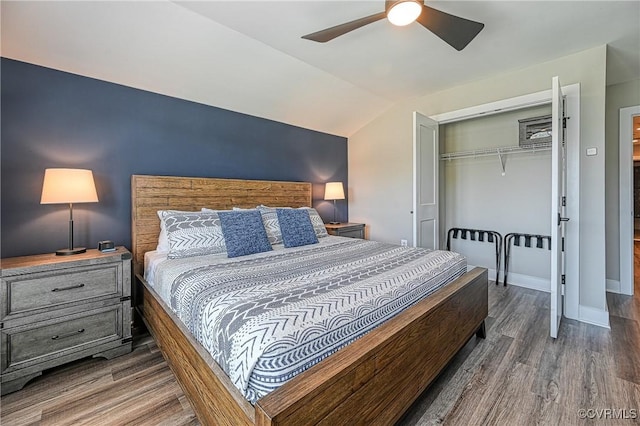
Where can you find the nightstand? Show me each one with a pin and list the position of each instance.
(351, 230)
(56, 309)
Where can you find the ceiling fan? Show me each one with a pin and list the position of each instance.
(457, 32)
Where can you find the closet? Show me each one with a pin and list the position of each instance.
(471, 173)
(488, 182)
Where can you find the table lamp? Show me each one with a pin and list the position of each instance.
(334, 191)
(62, 186)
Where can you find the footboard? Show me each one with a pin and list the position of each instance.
(375, 379)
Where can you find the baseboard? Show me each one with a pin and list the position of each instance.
(599, 317)
(520, 280)
(586, 314)
(613, 286)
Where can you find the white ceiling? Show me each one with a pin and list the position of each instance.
(247, 56)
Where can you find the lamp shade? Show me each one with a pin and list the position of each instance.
(334, 191)
(63, 186)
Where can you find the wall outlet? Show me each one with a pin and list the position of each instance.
(403, 243)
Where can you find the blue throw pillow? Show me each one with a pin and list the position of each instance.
(296, 227)
(244, 232)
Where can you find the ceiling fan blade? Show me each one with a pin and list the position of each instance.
(456, 31)
(333, 32)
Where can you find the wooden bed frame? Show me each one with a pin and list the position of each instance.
(372, 381)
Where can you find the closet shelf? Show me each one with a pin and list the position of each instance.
(499, 151)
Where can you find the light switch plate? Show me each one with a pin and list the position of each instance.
(592, 151)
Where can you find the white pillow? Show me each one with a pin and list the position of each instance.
(208, 210)
(163, 240)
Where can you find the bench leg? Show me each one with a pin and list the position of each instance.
(481, 332)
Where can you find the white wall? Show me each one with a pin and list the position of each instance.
(618, 96)
(478, 196)
(380, 156)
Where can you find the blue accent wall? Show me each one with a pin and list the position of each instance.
(51, 118)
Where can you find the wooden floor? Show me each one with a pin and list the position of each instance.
(517, 376)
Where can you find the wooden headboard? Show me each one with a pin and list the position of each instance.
(152, 193)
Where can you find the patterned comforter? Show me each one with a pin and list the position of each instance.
(265, 318)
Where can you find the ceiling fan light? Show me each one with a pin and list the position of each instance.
(404, 12)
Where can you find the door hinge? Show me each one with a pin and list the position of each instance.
(125, 298)
(563, 279)
(564, 122)
(564, 201)
(127, 339)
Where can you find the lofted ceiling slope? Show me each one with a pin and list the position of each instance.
(247, 56)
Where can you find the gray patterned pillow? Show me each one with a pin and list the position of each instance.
(193, 234)
(316, 221)
(244, 232)
(269, 220)
(163, 238)
(273, 227)
(271, 224)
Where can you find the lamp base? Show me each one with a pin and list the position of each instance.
(335, 223)
(67, 252)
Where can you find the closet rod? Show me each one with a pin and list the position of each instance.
(496, 151)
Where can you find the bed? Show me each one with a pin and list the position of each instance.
(373, 380)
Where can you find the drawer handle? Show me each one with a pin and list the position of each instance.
(71, 287)
(62, 336)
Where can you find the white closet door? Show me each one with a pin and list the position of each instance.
(558, 177)
(426, 145)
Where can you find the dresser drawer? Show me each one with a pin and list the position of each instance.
(352, 233)
(46, 289)
(27, 345)
(350, 230)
